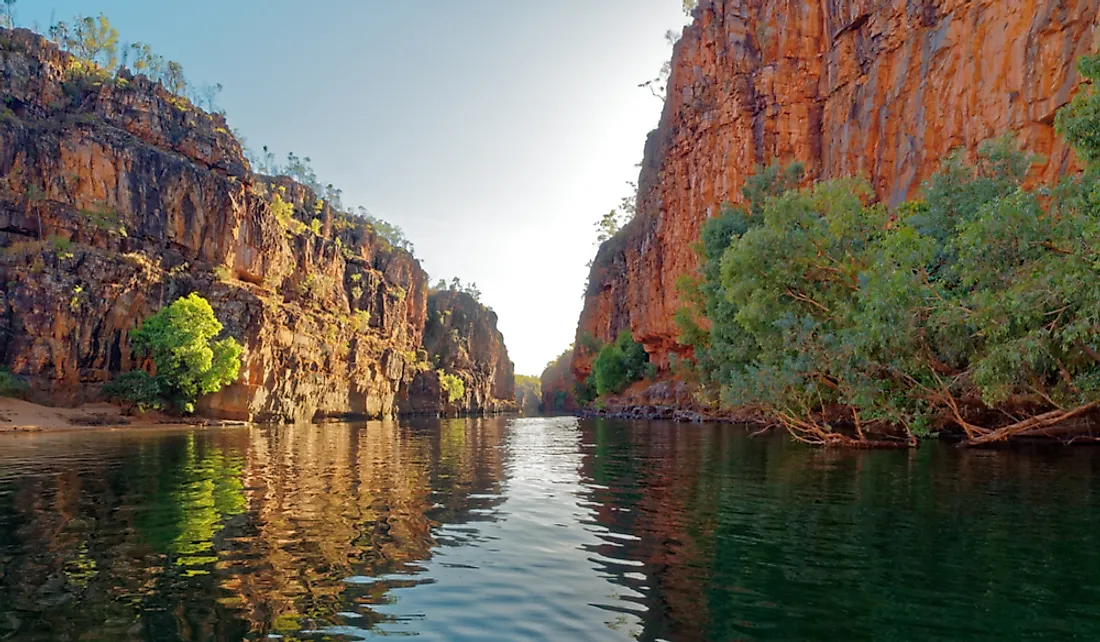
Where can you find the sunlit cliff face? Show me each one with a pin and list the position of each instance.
(878, 89)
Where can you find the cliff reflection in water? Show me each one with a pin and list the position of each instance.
(763, 539)
(228, 534)
(539, 529)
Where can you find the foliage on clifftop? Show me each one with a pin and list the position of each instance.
(101, 57)
(975, 308)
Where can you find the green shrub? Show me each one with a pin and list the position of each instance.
(843, 319)
(315, 286)
(452, 386)
(62, 247)
(189, 362)
(362, 320)
(222, 273)
(137, 388)
(11, 385)
(619, 364)
(284, 214)
(104, 218)
(22, 250)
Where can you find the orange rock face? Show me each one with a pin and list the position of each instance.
(117, 197)
(461, 338)
(878, 88)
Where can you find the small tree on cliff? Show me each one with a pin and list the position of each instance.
(189, 363)
(93, 39)
(452, 386)
(608, 226)
(7, 13)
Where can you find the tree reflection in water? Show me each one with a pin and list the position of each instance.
(229, 534)
(539, 529)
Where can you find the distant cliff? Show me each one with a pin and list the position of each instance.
(880, 88)
(558, 385)
(528, 394)
(461, 341)
(117, 197)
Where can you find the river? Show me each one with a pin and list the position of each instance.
(539, 529)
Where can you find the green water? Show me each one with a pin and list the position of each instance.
(539, 529)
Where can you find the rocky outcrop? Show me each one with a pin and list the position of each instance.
(116, 197)
(461, 340)
(879, 88)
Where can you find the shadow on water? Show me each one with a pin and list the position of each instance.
(765, 539)
(539, 528)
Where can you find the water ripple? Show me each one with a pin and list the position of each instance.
(538, 529)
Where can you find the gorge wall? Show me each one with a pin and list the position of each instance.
(558, 385)
(878, 88)
(117, 197)
(461, 340)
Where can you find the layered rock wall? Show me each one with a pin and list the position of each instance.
(461, 339)
(117, 197)
(878, 88)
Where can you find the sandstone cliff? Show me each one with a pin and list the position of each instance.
(558, 385)
(117, 197)
(879, 88)
(461, 339)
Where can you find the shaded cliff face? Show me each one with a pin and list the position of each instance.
(528, 395)
(461, 339)
(559, 385)
(879, 88)
(117, 198)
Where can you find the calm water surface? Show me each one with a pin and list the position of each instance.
(539, 529)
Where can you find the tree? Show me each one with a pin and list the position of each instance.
(608, 226)
(188, 361)
(7, 13)
(208, 97)
(611, 223)
(975, 308)
(452, 386)
(618, 364)
(141, 58)
(92, 39)
(1079, 122)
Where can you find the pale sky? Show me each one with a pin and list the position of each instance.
(494, 132)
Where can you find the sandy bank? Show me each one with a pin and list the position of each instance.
(18, 416)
